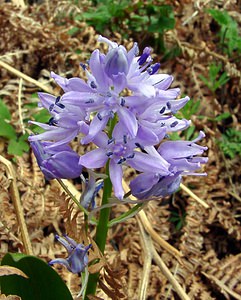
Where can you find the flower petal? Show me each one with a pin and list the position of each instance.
(147, 163)
(128, 119)
(116, 175)
(94, 159)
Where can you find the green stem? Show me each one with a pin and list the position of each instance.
(102, 227)
(101, 231)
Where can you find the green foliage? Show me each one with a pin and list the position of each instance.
(142, 17)
(191, 108)
(229, 31)
(16, 144)
(43, 283)
(178, 218)
(214, 81)
(230, 143)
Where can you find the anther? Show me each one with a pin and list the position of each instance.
(83, 66)
(174, 124)
(131, 155)
(139, 146)
(99, 116)
(124, 139)
(57, 99)
(168, 105)
(110, 141)
(93, 85)
(162, 110)
(109, 153)
(120, 161)
(122, 102)
(52, 121)
(90, 101)
(51, 107)
(60, 105)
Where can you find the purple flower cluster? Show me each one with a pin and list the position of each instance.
(126, 86)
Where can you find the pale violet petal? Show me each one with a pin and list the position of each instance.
(96, 158)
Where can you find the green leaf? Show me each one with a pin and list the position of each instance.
(221, 17)
(223, 116)
(127, 215)
(43, 282)
(4, 111)
(42, 116)
(7, 130)
(174, 136)
(17, 147)
(189, 132)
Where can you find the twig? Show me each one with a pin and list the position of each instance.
(222, 286)
(146, 240)
(9, 54)
(19, 3)
(195, 13)
(177, 287)
(156, 237)
(146, 224)
(17, 205)
(20, 105)
(149, 254)
(194, 196)
(24, 76)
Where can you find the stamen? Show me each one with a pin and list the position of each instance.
(174, 124)
(57, 99)
(60, 105)
(124, 139)
(112, 114)
(146, 53)
(122, 102)
(93, 85)
(153, 69)
(120, 161)
(139, 146)
(162, 124)
(51, 107)
(162, 110)
(90, 101)
(83, 66)
(99, 116)
(168, 105)
(131, 155)
(109, 153)
(52, 121)
(112, 140)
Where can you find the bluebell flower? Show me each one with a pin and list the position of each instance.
(184, 159)
(121, 150)
(125, 85)
(77, 260)
(103, 95)
(56, 162)
(91, 188)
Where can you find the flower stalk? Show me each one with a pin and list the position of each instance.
(101, 231)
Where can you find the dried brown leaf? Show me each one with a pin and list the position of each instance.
(8, 270)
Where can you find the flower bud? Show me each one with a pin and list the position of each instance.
(116, 62)
(56, 162)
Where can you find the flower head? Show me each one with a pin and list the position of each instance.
(121, 85)
(77, 260)
(56, 162)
